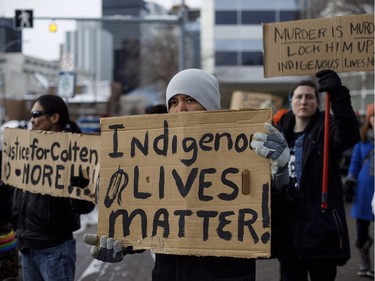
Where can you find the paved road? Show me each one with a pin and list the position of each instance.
(139, 266)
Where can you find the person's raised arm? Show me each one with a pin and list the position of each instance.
(345, 129)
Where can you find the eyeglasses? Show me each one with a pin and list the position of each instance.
(36, 114)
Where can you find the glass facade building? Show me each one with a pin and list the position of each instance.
(232, 41)
(238, 25)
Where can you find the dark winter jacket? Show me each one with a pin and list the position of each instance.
(193, 268)
(43, 221)
(5, 204)
(318, 234)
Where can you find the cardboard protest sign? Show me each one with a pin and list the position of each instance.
(44, 162)
(186, 183)
(241, 100)
(343, 44)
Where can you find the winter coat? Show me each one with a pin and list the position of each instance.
(193, 268)
(43, 221)
(360, 169)
(317, 233)
(5, 204)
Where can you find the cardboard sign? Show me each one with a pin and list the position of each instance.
(186, 183)
(44, 162)
(304, 47)
(241, 100)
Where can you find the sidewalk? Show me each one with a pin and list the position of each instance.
(139, 266)
(267, 270)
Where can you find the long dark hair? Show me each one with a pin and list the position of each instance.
(55, 104)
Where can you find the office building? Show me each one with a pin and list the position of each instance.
(232, 43)
(10, 39)
(91, 49)
(127, 38)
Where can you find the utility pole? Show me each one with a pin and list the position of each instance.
(181, 53)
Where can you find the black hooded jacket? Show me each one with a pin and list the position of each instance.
(188, 268)
(43, 221)
(319, 234)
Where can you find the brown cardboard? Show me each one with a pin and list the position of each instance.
(43, 162)
(151, 167)
(343, 44)
(241, 100)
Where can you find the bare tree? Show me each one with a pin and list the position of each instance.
(314, 8)
(354, 6)
(317, 8)
(160, 56)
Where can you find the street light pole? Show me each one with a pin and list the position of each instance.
(181, 53)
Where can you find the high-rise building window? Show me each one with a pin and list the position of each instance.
(254, 17)
(289, 15)
(238, 58)
(252, 58)
(226, 17)
(257, 17)
(226, 58)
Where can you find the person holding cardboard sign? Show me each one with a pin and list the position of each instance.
(45, 224)
(190, 90)
(307, 239)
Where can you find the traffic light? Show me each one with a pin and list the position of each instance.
(52, 27)
(23, 19)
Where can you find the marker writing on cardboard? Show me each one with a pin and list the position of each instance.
(162, 219)
(165, 144)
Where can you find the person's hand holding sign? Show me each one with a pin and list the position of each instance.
(81, 181)
(273, 146)
(109, 250)
(329, 81)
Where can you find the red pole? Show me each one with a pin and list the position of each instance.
(326, 154)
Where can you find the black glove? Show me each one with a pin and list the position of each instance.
(79, 181)
(329, 81)
(349, 189)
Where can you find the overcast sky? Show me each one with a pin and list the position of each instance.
(41, 43)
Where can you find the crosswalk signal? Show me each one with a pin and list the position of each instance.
(23, 19)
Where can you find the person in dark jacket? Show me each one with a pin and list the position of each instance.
(45, 224)
(308, 239)
(189, 90)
